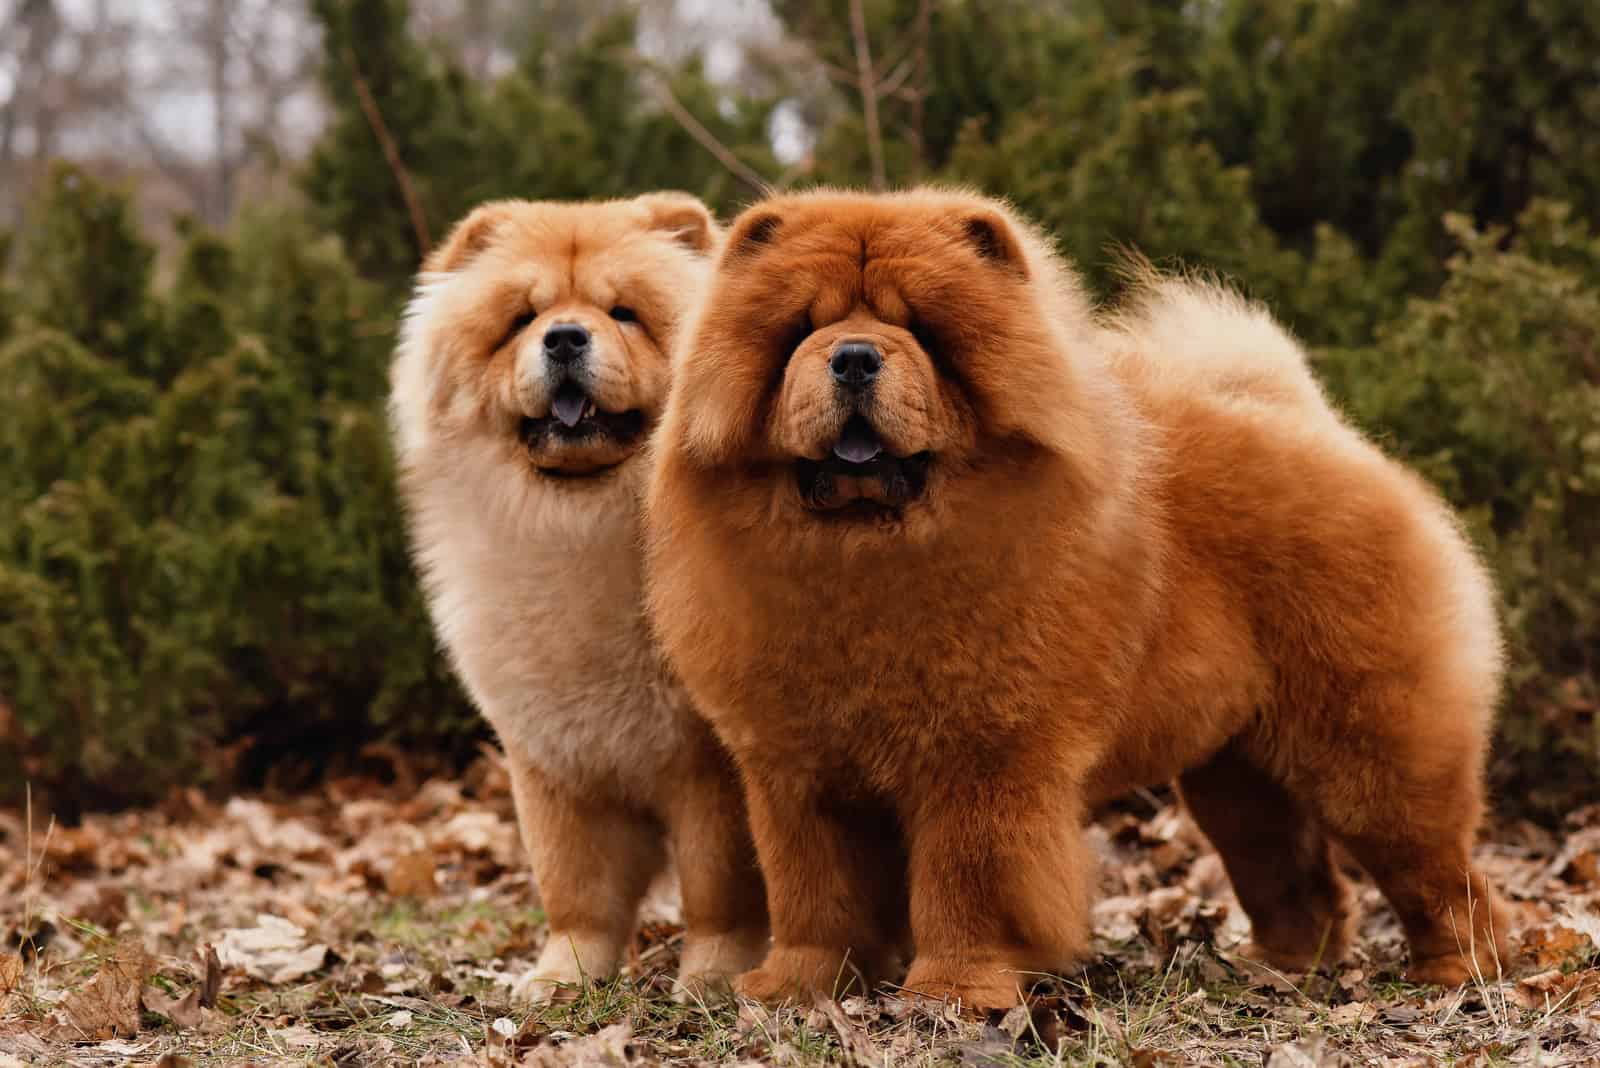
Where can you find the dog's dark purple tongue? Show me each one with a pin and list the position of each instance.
(858, 442)
(569, 403)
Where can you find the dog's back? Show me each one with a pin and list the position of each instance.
(1175, 337)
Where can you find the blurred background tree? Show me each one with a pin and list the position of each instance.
(202, 567)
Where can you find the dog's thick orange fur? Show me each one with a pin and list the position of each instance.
(1147, 550)
(529, 548)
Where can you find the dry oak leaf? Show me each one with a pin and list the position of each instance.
(411, 875)
(274, 950)
(273, 834)
(478, 831)
(1306, 1053)
(855, 1045)
(211, 984)
(1352, 1013)
(184, 1012)
(296, 1036)
(10, 977)
(1555, 944)
(108, 1005)
(610, 1047)
(1552, 988)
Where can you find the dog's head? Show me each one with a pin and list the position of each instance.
(880, 361)
(545, 328)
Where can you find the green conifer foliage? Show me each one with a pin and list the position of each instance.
(204, 547)
(86, 271)
(199, 537)
(1492, 389)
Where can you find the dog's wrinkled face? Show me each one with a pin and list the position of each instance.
(547, 327)
(864, 350)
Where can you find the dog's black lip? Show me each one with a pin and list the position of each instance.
(622, 427)
(905, 479)
(563, 475)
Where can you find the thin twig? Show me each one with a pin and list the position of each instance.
(837, 73)
(892, 81)
(869, 94)
(391, 154)
(919, 93)
(708, 140)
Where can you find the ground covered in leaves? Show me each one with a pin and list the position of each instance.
(383, 923)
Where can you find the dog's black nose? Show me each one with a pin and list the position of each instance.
(566, 342)
(855, 364)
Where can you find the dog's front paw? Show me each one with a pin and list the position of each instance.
(567, 962)
(711, 962)
(535, 988)
(801, 974)
(974, 986)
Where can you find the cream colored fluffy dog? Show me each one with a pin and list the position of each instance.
(532, 364)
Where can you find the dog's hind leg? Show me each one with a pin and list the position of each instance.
(1277, 859)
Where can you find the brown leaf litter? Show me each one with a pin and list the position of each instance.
(372, 924)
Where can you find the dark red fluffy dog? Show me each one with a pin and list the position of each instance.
(946, 561)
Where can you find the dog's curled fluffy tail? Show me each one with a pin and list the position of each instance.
(1187, 335)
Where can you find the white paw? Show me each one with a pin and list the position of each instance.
(567, 962)
(536, 988)
(703, 988)
(710, 963)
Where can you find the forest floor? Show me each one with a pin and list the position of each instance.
(383, 924)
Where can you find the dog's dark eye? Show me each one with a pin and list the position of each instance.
(926, 338)
(517, 326)
(934, 346)
(624, 315)
(794, 335)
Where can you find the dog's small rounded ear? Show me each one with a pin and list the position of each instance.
(467, 238)
(992, 236)
(752, 230)
(684, 217)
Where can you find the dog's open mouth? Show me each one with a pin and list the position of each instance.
(860, 477)
(577, 429)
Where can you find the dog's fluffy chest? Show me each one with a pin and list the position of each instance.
(547, 630)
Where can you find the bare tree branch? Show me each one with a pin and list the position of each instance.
(216, 30)
(171, 163)
(891, 82)
(391, 154)
(869, 94)
(919, 91)
(708, 140)
(887, 85)
(836, 72)
(899, 51)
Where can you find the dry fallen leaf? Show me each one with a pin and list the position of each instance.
(411, 875)
(116, 1047)
(184, 1012)
(1307, 1053)
(855, 1044)
(211, 984)
(1116, 918)
(272, 834)
(1352, 1013)
(1554, 944)
(108, 1005)
(610, 1047)
(274, 950)
(1570, 990)
(10, 977)
(296, 1037)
